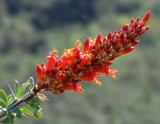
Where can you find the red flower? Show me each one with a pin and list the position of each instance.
(39, 73)
(96, 57)
(51, 60)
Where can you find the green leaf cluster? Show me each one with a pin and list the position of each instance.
(8, 117)
(25, 107)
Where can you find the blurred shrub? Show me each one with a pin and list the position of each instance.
(62, 13)
(13, 6)
(126, 7)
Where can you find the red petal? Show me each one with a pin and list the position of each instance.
(138, 19)
(89, 77)
(112, 73)
(75, 87)
(39, 73)
(98, 40)
(86, 45)
(51, 62)
(147, 27)
(109, 35)
(125, 27)
(64, 61)
(132, 20)
(125, 51)
(145, 18)
(135, 42)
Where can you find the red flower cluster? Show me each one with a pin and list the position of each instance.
(75, 66)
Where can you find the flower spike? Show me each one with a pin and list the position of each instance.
(96, 57)
(145, 18)
(86, 45)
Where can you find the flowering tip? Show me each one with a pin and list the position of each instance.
(99, 37)
(146, 28)
(125, 27)
(145, 18)
(38, 68)
(86, 45)
(109, 35)
(105, 39)
(138, 19)
(98, 40)
(132, 21)
(43, 64)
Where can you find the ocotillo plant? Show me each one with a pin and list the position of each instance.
(73, 66)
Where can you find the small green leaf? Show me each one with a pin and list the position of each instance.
(18, 113)
(37, 114)
(21, 90)
(2, 104)
(27, 112)
(16, 88)
(9, 99)
(36, 100)
(11, 118)
(23, 107)
(3, 96)
(31, 82)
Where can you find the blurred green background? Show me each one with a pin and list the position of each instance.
(31, 28)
